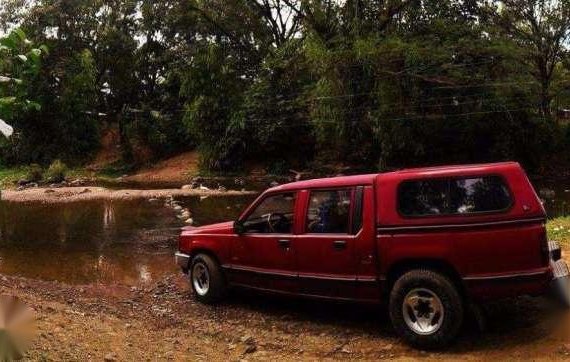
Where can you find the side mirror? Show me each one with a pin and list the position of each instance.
(239, 227)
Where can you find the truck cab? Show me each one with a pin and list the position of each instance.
(424, 241)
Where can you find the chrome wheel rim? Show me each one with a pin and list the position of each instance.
(423, 311)
(200, 278)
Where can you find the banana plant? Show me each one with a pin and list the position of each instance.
(19, 62)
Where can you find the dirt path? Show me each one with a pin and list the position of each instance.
(161, 321)
(176, 169)
(73, 194)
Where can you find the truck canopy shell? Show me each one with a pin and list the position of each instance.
(525, 202)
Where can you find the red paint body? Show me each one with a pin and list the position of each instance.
(490, 255)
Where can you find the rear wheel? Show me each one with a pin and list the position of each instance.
(426, 309)
(207, 280)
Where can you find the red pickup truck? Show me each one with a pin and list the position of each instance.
(423, 240)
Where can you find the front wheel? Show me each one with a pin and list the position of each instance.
(426, 309)
(207, 280)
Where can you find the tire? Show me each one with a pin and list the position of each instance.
(207, 279)
(435, 300)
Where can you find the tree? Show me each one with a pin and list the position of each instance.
(541, 28)
(19, 62)
(365, 84)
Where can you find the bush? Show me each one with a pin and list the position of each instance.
(35, 173)
(56, 171)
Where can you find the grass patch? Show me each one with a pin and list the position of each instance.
(9, 176)
(559, 229)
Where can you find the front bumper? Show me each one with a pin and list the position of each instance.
(182, 260)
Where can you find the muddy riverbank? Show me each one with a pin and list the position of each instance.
(162, 322)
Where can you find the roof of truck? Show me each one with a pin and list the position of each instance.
(368, 179)
(338, 181)
(468, 167)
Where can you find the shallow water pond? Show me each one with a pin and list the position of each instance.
(111, 242)
(555, 196)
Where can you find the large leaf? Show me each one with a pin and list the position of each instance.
(9, 43)
(6, 101)
(6, 129)
(20, 33)
(44, 49)
(34, 55)
(33, 105)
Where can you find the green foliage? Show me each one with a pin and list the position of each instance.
(76, 106)
(559, 229)
(35, 173)
(9, 176)
(56, 172)
(19, 63)
(290, 84)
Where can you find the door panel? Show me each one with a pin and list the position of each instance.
(325, 268)
(264, 257)
(325, 252)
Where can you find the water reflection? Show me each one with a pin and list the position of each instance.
(122, 242)
(85, 242)
(555, 196)
(216, 208)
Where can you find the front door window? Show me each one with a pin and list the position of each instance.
(274, 215)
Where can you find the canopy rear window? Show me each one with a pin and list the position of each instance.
(454, 196)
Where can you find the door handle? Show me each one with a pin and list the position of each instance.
(339, 244)
(284, 243)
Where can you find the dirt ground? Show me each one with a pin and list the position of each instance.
(73, 194)
(162, 322)
(178, 168)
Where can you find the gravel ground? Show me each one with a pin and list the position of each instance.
(161, 321)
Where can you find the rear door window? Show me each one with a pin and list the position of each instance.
(329, 212)
(453, 196)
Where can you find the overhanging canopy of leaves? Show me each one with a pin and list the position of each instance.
(293, 83)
